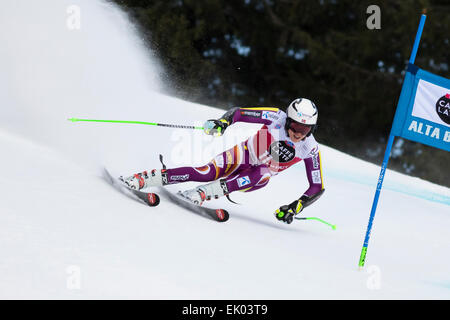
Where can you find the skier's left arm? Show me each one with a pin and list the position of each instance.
(316, 188)
(313, 166)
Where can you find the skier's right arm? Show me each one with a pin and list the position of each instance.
(263, 115)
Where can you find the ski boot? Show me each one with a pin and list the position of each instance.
(143, 180)
(204, 192)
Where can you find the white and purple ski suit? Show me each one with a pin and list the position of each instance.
(248, 166)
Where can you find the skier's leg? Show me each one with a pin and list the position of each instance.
(222, 165)
(249, 179)
(229, 164)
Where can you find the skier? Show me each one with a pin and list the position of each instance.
(284, 139)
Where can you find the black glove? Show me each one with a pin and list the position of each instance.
(287, 213)
(215, 127)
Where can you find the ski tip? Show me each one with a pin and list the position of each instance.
(152, 199)
(222, 215)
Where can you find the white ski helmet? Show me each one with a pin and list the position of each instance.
(304, 112)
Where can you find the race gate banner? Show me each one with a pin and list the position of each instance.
(423, 112)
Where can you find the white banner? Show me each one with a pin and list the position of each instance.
(432, 103)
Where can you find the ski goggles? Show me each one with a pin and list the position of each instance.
(299, 128)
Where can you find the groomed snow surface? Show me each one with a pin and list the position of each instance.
(67, 234)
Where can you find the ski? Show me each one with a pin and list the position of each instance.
(219, 215)
(150, 198)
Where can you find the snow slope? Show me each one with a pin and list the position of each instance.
(66, 234)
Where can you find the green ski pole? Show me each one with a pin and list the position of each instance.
(317, 219)
(138, 122)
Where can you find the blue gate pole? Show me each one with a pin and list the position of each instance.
(387, 153)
